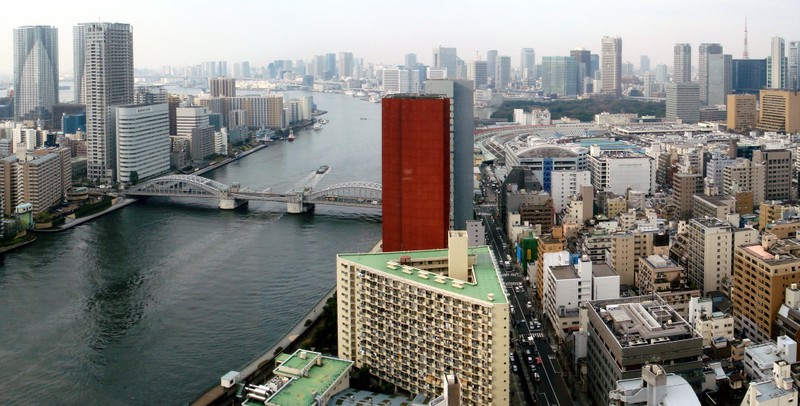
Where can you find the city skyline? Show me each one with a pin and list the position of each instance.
(645, 30)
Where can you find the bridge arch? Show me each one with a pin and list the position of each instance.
(351, 191)
(180, 185)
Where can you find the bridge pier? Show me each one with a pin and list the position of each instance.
(229, 203)
(295, 204)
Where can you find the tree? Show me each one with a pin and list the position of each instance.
(134, 177)
(43, 217)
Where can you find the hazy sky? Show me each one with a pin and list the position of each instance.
(178, 32)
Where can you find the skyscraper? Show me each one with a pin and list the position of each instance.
(416, 176)
(330, 66)
(108, 74)
(776, 64)
(345, 64)
(478, 74)
(683, 102)
(748, 75)
(583, 64)
(446, 58)
(527, 64)
(718, 79)
(142, 141)
(461, 96)
(411, 60)
(491, 65)
(78, 50)
(644, 63)
(319, 67)
(793, 65)
(35, 72)
(558, 75)
(611, 69)
(222, 87)
(702, 68)
(662, 76)
(503, 75)
(682, 66)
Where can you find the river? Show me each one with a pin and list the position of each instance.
(153, 303)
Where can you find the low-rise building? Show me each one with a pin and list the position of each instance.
(628, 333)
(759, 358)
(302, 378)
(567, 284)
(655, 387)
(713, 206)
(787, 323)
(715, 327)
(777, 391)
(659, 274)
(546, 244)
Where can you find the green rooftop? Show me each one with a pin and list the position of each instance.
(282, 357)
(299, 391)
(295, 362)
(486, 277)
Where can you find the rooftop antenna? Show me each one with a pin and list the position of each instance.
(745, 55)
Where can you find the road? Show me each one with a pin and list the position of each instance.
(527, 334)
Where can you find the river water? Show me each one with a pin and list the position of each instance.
(153, 303)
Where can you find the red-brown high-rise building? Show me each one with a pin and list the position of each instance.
(416, 153)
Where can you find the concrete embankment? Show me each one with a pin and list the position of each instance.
(220, 395)
(122, 202)
(261, 366)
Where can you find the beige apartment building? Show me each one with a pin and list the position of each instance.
(42, 178)
(761, 274)
(741, 111)
(411, 317)
(780, 111)
(659, 274)
(684, 187)
(779, 167)
(547, 244)
(628, 247)
(745, 176)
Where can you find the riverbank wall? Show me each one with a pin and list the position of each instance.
(261, 368)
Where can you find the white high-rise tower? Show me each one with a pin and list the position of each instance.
(682, 66)
(35, 72)
(108, 78)
(776, 64)
(611, 65)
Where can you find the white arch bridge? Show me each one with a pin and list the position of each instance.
(353, 194)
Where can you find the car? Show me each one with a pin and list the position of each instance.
(538, 360)
(514, 368)
(533, 368)
(536, 377)
(530, 360)
(528, 351)
(512, 357)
